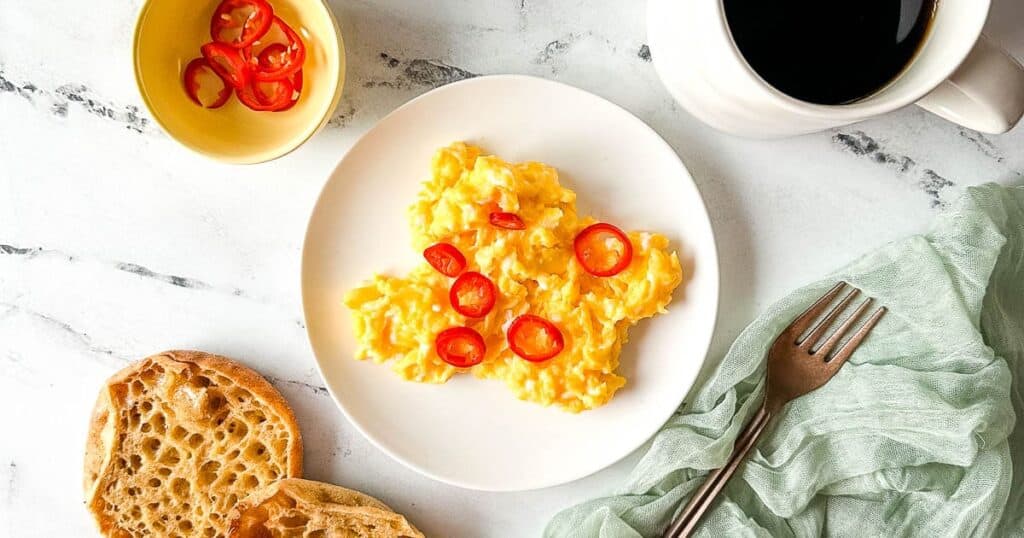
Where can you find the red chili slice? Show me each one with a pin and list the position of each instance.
(534, 338)
(603, 249)
(446, 259)
(461, 347)
(204, 86)
(269, 96)
(273, 57)
(226, 61)
(472, 295)
(296, 81)
(238, 23)
(509, 221)
(277, 54)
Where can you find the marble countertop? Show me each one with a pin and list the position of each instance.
(116, 243)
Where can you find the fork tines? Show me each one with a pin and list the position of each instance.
(823, 314)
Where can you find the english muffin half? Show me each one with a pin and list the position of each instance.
(178, 438)
(296, 508)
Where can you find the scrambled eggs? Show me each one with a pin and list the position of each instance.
(535, 271)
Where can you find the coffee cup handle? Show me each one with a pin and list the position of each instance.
(986, 93)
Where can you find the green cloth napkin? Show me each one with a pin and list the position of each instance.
(913, 437)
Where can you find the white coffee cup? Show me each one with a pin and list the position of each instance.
(958, 74)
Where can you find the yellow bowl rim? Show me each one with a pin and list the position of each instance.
(339, 83)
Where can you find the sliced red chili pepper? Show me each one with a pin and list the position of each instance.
(509, 221)
(270, 96)
(603, 249)
(238, 23)
(273, 57)
(472, 295)
(296, 81)
(534, 338)
(227, 62)
(204, 86)
(277, 63)
(446, 259)
(461, 347)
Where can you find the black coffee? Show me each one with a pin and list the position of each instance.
(829, 51)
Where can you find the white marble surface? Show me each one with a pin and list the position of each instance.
(116, 243)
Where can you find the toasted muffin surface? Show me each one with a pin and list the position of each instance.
(177, 439)
(296, 508)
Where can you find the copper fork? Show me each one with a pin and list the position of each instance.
(802, 359)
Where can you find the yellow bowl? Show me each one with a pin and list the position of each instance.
(168, 35)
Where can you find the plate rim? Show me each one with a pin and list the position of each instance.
(715, 274)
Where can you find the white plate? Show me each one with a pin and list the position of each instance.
(470, 432)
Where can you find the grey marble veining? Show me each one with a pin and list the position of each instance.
(128, 267)
(60, 99)
(860, 144)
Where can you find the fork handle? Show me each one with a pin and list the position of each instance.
(701, 500)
